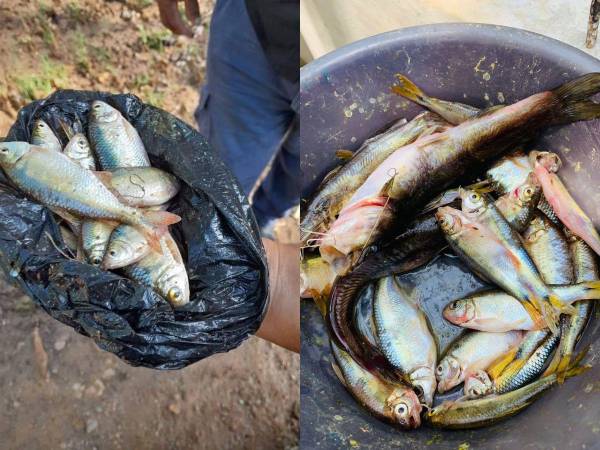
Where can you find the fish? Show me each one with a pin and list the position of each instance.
(116, 143)
(125, 246)
(549, 250)
(415, 173)
(412, 248)
(404, 336)
(343, 181)
(517, 374)
(43, 136)
(393, 402)
(95, 235)
(316, 278)
(519, 205)
(453, 112)
(492, 311)
(501, 259)
(509, 172)
(141, 186)
(79, 150)
(464, 414)
(55, 180)
(497, 311)
(546, 165)
(585, 264)
(473, 351)
(164, 272)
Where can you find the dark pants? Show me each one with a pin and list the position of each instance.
(246, 112)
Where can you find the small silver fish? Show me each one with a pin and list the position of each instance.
(43, 136)
(95, 235)
(79, 150)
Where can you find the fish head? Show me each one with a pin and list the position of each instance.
(122, 252)
(529, 192)
(460, 311)
(11, 152)
(103, 112)
(424, 383)
(535, 230)
(403, 407)
(478, 384)
(549, 160)
(473, 203)
(449, 220)
(448, 373)
(78, 146)
(174, 286)
(42, 132)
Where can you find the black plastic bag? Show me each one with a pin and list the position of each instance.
(218, 238)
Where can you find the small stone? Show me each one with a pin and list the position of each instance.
(91, 425)
(16, 404)
(60, 344)
(338, 417)
(175, 408)
(242, 402)
(588, 388)
(108, 373)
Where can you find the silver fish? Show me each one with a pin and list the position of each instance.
(43, 136)
(79, 150)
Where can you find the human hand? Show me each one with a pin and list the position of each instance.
(281, 324)
(171, 17)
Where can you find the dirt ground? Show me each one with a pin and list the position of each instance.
(57, 389)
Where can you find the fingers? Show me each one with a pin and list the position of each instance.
(192, 11)
(171, 18)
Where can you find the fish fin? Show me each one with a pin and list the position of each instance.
(155, 224)
(578, 89)
(563, 365)
(321, 303)
(575, 367)
(488, 111)
(344, 154)
(329, 176)
(407, 89)
(497, 367)
(104, 176)
(514, 367)
(387, 187)
(584, 110)
(562, 307)
(592, 290)
(534, 314)
(67, 129)
(338, 373)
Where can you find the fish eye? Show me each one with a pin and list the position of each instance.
(439, 369)
(112, 253)
(4, 150)
(474, 196)
(41, 125)
(174, 294)
(96, 260)
(401, 409)
(454, 305)
(97, 106)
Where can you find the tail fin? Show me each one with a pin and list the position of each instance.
(563, 365)
(550, 314)
(512, 369)
(575, 367)
(562, 307)
(579, 89)
(497, 367)
(155, 224)
(573, 97)
(410, 90)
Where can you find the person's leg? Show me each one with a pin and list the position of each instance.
(246, 110)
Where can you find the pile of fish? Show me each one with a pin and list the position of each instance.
(455, 179)
(111, 202)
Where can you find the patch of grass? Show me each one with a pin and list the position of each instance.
(154, 98)
(42, 18)
(82, 61)
(141, 80)
(76, 13)
(37, 85)
(153, 39)
(100, 55)
(143, 4)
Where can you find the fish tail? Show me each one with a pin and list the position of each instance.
(513, 368)
(561, 306)
(573, 99)
(553, 366)
(498, 366)
(575, 367)
(550, 314)
(563, 365)
(410, 90)
(155, 224)
(590, 290)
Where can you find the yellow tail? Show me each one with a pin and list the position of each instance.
(409, 90)
(513, 368)
(497, 367)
